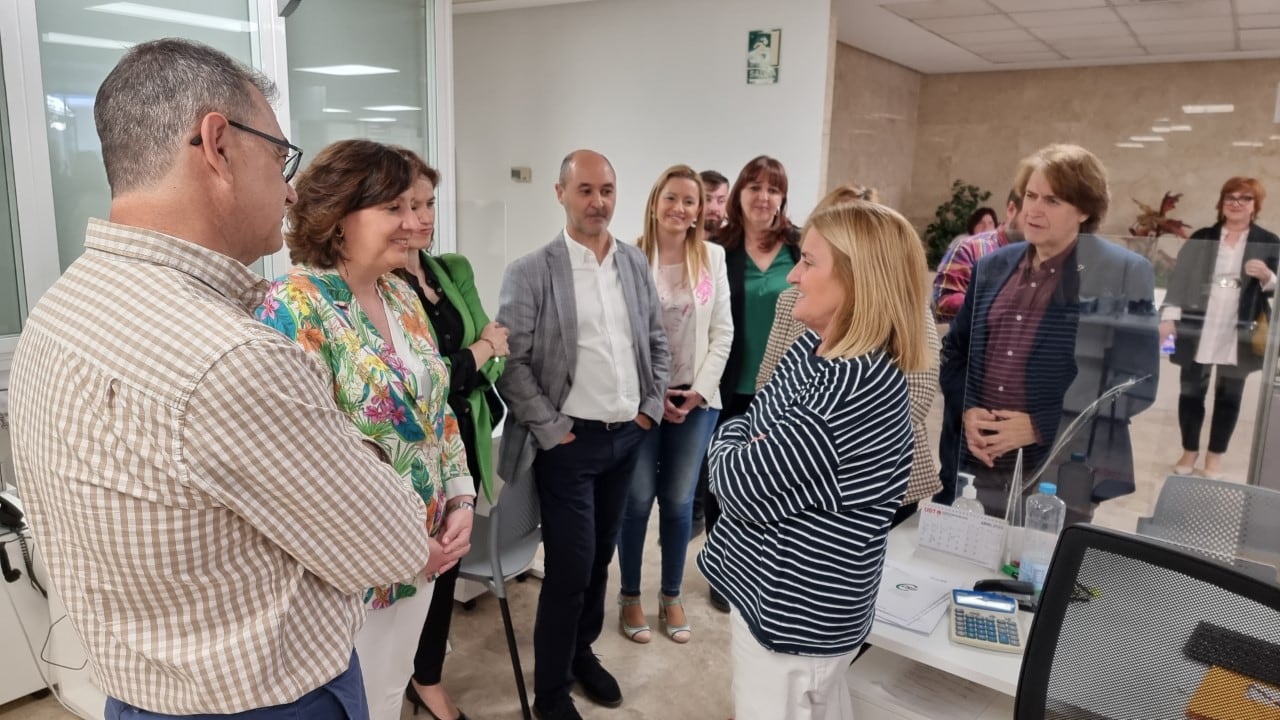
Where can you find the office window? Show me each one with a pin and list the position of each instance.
(78, 47)
(12, 301)
(363, 70)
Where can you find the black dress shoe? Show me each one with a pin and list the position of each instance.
(561, 709)
(597, 684)
(411, 694)
(718, 601)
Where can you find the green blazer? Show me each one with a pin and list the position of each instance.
(458, 282)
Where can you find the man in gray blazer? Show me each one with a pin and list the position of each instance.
(584, 382)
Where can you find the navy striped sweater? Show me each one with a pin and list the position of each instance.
(808, 480)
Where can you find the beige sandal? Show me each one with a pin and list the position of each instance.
(677, 633)
(634, 633)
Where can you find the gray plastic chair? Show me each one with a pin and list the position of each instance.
(503, 546)
(1230, 522)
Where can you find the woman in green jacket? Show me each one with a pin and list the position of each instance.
(475, 350)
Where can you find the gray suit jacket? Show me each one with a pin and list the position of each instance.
(538, 306)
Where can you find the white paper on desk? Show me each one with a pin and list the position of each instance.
(929, 692)
(907, 596)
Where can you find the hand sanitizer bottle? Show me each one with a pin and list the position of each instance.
(968, 500)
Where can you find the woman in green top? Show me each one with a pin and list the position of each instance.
(761, 246)
(475, 350)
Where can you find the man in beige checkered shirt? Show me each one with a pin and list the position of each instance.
(207, 514)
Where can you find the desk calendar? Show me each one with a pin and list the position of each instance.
(976, 538)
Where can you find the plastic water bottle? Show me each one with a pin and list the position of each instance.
(968, 500)
(1168, 345)
(1045, 515)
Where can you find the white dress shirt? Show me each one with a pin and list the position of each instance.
(605, 385)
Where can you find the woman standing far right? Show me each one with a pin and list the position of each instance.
(810, 476)
(1219, 294)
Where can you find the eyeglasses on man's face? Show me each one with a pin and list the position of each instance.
(1237, 199)
(293, 153)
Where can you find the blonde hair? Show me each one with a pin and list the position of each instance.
(879, 261)
(848, 192)
(695, 245)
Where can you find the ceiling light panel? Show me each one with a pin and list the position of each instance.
(1165, 27)
(85, 41)
(1208, 109)
(1176, 10)
(1058, 18)
(391, 108)
(1012, 6)
(939, 9)
(1129, 145)
(1115, 29)
(1259, 39)
(1249, 7)
(348, 70)
(177, 17)
(1264, 20)
(1246, 144)
(977, 23)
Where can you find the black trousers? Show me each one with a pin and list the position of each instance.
(582, 488)
(428, 662)
(1226, 405)
(734, 406)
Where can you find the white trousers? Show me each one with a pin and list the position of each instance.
(776, 686)
(386, 646)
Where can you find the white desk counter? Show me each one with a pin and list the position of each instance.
(996, 670)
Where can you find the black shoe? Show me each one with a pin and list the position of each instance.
(697, 528)
(561, 709)
(718, 602)
(411, 694)
(597, 684)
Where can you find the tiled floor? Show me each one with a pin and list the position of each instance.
(666, 680)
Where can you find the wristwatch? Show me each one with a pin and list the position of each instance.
(465, 504)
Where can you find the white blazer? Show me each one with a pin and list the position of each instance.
(713, 324)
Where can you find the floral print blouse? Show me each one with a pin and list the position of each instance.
(411, 423)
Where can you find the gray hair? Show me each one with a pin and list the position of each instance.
(146, 107)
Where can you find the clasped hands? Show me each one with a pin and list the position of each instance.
(674, 413)
(454, 542)
(992, 433)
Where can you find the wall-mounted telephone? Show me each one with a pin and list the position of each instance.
(10, 516)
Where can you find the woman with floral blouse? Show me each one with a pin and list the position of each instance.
(350, 228)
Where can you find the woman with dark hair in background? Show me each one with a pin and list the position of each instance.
(761, 246)
(1219, 294)
(474, 348)
(981, 220)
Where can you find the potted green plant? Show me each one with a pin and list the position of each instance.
(950, 218)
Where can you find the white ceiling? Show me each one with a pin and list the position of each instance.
(944, 36)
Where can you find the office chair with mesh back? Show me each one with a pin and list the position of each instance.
(1130, 628)
(503, 546)
(1230, 522)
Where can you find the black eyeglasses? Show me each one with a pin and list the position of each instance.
(1237, 199)
(293, 155)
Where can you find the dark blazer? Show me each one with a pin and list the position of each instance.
(538, 306)
(1100, 329)
(736, 264)
(1193, 277)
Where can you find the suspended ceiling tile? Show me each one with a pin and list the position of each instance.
(1092, 53)
(939, 9)
(1115, 29)
(1086, 43)
(1260, 39)
(977, 23)
(1176, 10)
(990, 37)
(1188, 25)
(1251, 7)
(1055, 18)
(1006, 48)
(1012, 6)
(1264, 20)
(1004, 58)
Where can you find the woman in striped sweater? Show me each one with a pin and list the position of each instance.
(809, 478)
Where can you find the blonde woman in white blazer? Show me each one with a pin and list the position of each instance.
(693, 290)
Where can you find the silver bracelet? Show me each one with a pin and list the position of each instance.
(465, 504)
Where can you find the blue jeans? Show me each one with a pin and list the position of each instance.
(342, 698)
(666, 469)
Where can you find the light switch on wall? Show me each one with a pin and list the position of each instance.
(522, 174)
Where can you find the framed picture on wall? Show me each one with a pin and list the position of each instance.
(764, 47)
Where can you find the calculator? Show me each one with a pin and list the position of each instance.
(985, 620)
